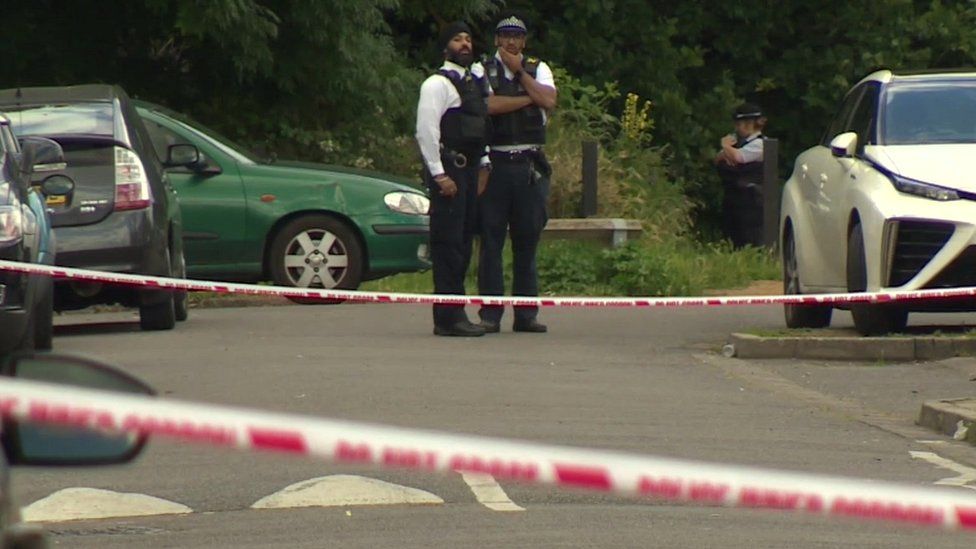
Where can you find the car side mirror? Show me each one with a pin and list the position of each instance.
(189, 156)
(45, 444)
(844, 145)
(182, 155)
(39, 155)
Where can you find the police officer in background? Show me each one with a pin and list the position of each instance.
(740, 166)
(523, 91)
(452, 117)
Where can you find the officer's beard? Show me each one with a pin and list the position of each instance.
(463, 58)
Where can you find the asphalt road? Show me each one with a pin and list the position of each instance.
(647, 381)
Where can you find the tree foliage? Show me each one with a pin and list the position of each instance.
(337, 80)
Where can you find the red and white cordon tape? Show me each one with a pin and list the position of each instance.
(393, 297)
(393, 447)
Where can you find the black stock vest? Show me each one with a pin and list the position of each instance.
(749, 174)
(521, 127)
(464, 129)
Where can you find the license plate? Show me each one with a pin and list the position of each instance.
(56, 200)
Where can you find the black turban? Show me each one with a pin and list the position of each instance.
(452, 30)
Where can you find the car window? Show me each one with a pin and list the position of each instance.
(162, 137)
(863, 120)
(930, 112)
(73, 119)
(839, 124)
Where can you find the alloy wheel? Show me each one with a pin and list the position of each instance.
(316, 258)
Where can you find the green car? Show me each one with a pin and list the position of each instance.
(298, 224)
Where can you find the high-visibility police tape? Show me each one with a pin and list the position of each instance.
(392, 447)
(394, 297)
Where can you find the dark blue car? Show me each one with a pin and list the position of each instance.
(26, 301)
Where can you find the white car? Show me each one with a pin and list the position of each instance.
(887, 200)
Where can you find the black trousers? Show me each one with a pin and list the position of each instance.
(742, 216)
(514, 201)
(452, 229)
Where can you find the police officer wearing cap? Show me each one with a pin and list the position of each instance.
(523, 91)
(740, 166)
(452, 117)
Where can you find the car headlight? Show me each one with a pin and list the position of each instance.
(407, 203)
(925, 190)
(11, 224)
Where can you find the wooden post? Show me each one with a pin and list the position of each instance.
(589, 202)
(772, 193)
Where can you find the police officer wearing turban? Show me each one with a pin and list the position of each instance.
(740, 167)
(523, 92)
(452, 117)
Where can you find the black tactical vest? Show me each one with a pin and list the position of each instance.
(521, 127)
(750, 173)
(464, 129)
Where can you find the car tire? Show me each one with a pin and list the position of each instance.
(160, 315)
(27, 340)
(296, 252)
(799, 316)
(869, 319)
(181, 303)
(44, 317)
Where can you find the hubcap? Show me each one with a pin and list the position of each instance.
(316, 258)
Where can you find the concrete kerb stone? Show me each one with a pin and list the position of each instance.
(891, 349)
(953, 417)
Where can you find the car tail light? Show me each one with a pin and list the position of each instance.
(131, 184)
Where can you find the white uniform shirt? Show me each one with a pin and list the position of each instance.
(437, 95)
(753, 150)
(544, 76)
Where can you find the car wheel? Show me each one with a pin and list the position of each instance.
(44, 317)
(869, 319)
(161, 315)
(799, 316)
(181, 303)
(316, 251)
(27, 340)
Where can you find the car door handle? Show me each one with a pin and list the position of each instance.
(823, 178)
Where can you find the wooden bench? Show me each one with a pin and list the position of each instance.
(610, 232)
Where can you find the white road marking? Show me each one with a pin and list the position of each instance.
(92, 503)
(966, 474)
(345, 491)
(489, 493)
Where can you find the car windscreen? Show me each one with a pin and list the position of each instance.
(930, 112)
(63, 119)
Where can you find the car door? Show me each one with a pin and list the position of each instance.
(816, 166)
(211, 197)
(835, 181)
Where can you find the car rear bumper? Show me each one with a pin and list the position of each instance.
(123, 242)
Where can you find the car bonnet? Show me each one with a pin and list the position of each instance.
(946, 165)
